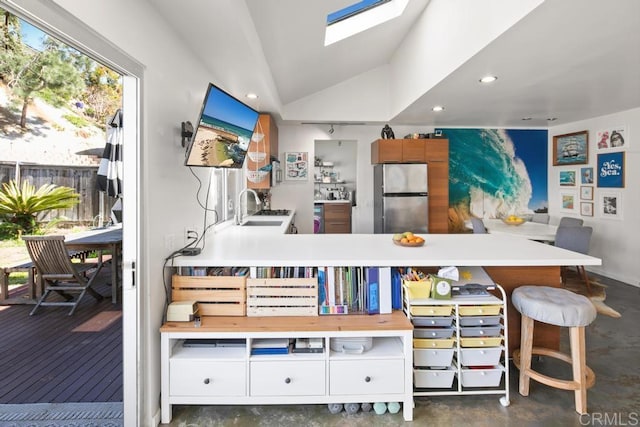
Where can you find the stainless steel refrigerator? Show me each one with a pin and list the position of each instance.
(400, 198)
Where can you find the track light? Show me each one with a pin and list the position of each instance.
(331, 130)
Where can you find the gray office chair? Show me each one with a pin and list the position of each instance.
(576, 239)
(542, 218)
(567, 221)
(478, 226)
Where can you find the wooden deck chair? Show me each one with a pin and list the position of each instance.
(58, 274)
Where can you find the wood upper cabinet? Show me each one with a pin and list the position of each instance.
(269, 146)
(437, 158)
(398, 151)
(337, 217)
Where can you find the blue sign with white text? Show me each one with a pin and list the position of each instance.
(611, 170)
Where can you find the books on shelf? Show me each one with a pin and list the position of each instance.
(270, 346)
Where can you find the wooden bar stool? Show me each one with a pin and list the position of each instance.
(560, 307)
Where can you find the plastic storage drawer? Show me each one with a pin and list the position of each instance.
(479, 356)
(482, 377)
(480, 341)
(433, 332)
(436, 343)
(431, 310)
(433, 378)
(433, 357)
(479, 310)
(445, 321)
(480, 331)
(480, 320)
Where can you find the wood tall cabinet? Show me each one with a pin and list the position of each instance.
(437, 159)
(337, 217)
(435, 153)
(269, 146)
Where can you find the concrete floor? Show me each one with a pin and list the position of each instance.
(613, 349)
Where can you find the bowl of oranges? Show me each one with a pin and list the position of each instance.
(408, 239)
(513, 220)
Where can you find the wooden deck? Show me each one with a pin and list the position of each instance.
(51, 357)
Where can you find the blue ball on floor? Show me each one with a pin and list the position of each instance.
(380, 408)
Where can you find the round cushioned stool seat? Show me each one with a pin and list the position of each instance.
(555, 306)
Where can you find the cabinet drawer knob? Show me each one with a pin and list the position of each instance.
(287, 380)
(367, 379)
(207, 381)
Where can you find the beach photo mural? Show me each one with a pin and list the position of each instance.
(495, 173)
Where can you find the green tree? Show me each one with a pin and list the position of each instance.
(22, 205)
(30, 72)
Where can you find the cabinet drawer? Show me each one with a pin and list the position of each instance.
(288, 378)
(436, 343)
(480, 331)
(480, 342)
(479, 310)
(190, 377)
(341, 211)
(480, 320)
(366, 377)
(433, 321)
(482, 377)
(480, 356)
(432, 357)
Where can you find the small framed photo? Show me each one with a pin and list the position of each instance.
(296, 166)
(586, 193)
(611, 170)
(568, 178)
(586, 208)
(568, 202)
(571, 149)
(586, 175)
(615, 138)
(610, 205)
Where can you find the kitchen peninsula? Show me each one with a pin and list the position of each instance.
(238, 377)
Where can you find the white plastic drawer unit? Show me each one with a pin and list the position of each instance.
(480, 356)
(189, 377)
(437, 357)
(480, 320)
(287, 378)
(433, 378)
(366, 376)
(482, 377)
(481, 331)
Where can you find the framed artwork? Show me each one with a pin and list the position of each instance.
(586, 208)
(611, 170)
(615, 138)
(571, 148)
(586, 175)
(568, 178)
(296, 166)
(568, 202)
(610, 205)
(586, 193)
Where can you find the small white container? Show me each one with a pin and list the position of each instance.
(433, 357)
(433, 378)
(480, 356)
(482, 377)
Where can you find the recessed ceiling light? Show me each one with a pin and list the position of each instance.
(488, 79)
(252, 96)
(526, 118)
(552, 119)
(438, 108)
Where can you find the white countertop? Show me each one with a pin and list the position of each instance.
(332, 201)
(269, 246)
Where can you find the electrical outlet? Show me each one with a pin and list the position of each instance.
(190, 235)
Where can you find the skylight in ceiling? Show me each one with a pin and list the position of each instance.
(361, 16)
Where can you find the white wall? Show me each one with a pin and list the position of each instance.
(299, 194)
(617, 242)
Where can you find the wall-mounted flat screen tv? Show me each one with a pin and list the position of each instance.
(224, 131)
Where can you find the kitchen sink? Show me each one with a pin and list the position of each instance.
(263, 223)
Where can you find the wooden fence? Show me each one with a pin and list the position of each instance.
(81, 178)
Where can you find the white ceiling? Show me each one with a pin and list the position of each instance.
(568, 59)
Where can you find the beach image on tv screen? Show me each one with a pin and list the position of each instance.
(224, 131)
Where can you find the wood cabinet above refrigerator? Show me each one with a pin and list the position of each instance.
(261, 151)
(398, 151)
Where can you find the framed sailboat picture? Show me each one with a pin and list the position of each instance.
(571, 149)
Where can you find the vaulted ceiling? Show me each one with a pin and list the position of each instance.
(563, 59)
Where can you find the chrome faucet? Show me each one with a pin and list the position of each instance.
(238, 213)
